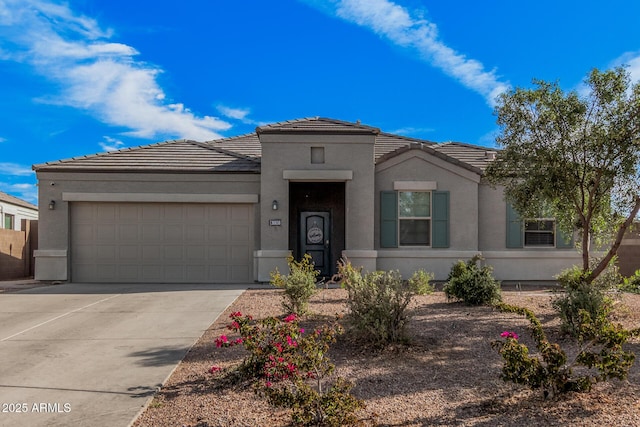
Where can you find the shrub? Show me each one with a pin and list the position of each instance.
(580, 295)
(631, 284)
(290, 368)
(378, 301)
(311, 407)
(299, 286)
(472, 284)
(600, 353)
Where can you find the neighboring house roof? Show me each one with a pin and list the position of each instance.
(243, 153)
(7, 198)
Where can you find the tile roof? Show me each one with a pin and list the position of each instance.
(473, 155)
(7, 198)
(176, 156)
(317, 124)
(243, 153)
(387, 143)
(247, 145)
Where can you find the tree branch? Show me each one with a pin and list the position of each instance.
(604, 262)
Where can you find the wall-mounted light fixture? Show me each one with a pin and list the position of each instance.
(52, 205)
(274, 205)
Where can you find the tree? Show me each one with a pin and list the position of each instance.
(574, 156)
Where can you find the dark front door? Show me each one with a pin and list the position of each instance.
(315, 233)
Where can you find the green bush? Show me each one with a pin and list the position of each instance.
(299, 286)
(578, 295)
(311, 407)
(378, 302)
(472, 284)
(600, 354)
(631, 284)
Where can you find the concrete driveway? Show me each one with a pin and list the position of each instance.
(93, 355)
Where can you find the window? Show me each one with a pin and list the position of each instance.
(422, 217)
(539, 233)
(317, 155)
(535, 232)
(9, 221)
(414, 214)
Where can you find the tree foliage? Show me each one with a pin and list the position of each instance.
(574, 156)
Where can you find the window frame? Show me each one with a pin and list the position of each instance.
(428, 218)
(552, 230)
(12, 219)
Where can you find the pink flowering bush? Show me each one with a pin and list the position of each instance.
(290, 368)
(507, 334)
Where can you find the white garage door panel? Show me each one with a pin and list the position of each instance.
(161, 242)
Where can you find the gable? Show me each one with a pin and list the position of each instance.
(418, 164)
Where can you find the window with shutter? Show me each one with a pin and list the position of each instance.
(534, 232)
(414, 218)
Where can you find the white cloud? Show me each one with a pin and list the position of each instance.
(233, 113)
(15, 169)
(630, 60)
(489, 139)
(94, 73)
(2, 139)
(28, 192)
(398, 25)
(239, 114)
(111, 144)
(408, 131)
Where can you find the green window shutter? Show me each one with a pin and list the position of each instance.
(440, 218)
(563, 241)
(514, 228)
(388, 219)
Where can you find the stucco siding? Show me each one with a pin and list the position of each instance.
(18, 212)
(351, 158)
(461, 184)
(519, 265)
(629, 251)
(530, 265)
(52, 262)
(435, 261)
(492, 217)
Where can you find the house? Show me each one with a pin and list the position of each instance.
(13, 210)
(18, 237)
(629, 251)
(231, 210)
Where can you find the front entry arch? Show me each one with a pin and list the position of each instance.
(317, 223)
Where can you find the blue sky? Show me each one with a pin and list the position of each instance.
(88, 76)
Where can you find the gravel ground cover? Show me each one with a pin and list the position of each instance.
(447, 376)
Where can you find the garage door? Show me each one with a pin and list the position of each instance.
(161, 242)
